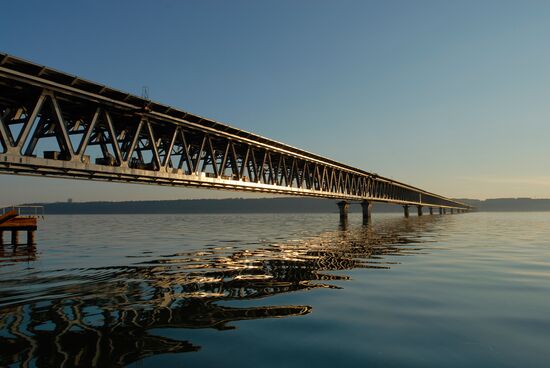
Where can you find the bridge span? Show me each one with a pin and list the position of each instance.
(100, 133)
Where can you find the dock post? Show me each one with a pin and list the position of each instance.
(30, 237)
(344, 207)
(367, 210)
(14, 237)
(431, 210)
(419, 210)
(406, 210)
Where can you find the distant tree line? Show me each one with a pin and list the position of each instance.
(266, 205)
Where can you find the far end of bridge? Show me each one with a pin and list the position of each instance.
(366, 206)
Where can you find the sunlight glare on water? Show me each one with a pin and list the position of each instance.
(279, 290)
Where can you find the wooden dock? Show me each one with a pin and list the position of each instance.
(13, 220)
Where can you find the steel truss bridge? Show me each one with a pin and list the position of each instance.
(105, 134)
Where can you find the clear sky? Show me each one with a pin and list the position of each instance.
(450, 96)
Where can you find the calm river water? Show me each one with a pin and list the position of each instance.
(279, 290)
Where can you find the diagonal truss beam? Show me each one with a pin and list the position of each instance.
(139, 129)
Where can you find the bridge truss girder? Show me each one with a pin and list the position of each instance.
(106, 135)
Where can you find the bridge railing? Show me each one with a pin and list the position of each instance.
(28, 211)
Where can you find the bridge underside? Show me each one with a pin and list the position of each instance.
(56, 125)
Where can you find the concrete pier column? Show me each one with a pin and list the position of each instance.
(14, 237)
(367, 210)
(419, 208)
(431, 210)
(30, 237)
(1, 238)
(452, 211)
(344, 208)
(440, 210)
(406, 210)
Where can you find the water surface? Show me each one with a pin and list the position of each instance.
(276, 290)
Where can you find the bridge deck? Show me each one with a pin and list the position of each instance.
(100, 133)
(19, 223)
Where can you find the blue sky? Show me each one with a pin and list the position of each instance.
(451, 96)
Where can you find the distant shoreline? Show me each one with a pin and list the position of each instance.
(267, 205)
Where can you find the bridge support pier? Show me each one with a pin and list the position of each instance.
(1, 238)
(419, 208)
(367, 209)
(452, 211)
(431, 210)
(406, 210)
(30, 237)
(440, 210)
(343, 206)
(14, 237)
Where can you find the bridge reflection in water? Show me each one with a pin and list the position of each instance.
(106, 319)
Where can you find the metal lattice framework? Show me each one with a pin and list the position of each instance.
(104, 134)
